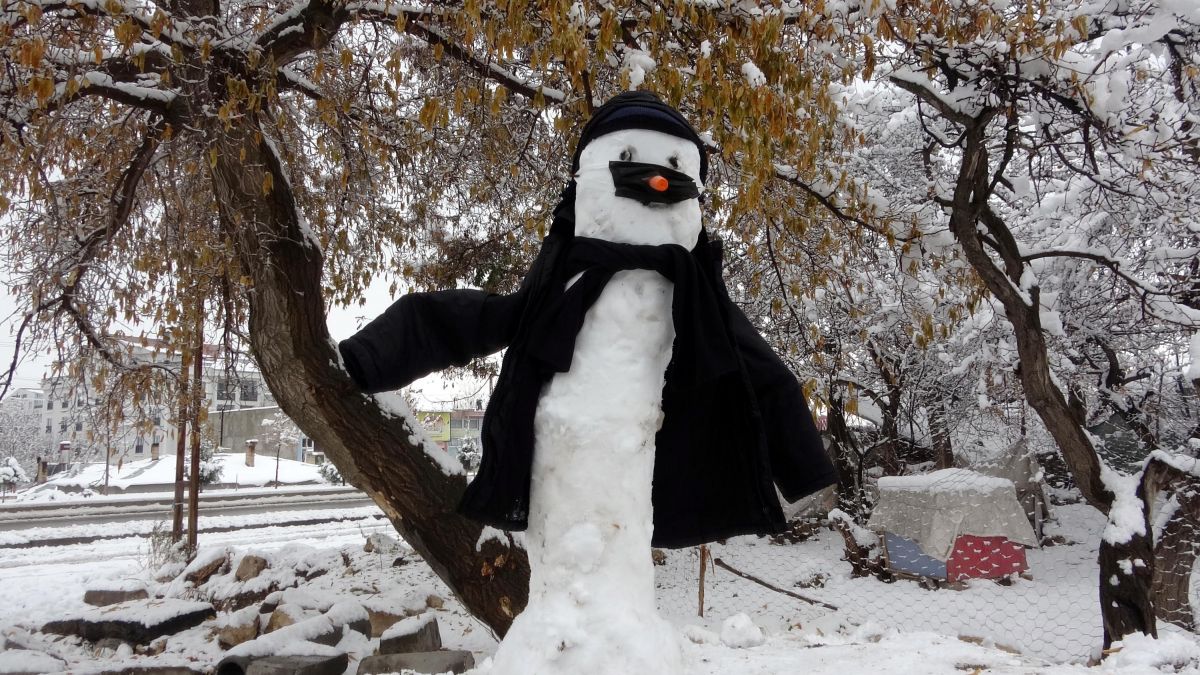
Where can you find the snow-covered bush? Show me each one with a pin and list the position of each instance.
(280, 435)
(331, 474)
(11, 473)
(469, 454)
(210, 468)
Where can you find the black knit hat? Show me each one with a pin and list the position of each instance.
(638, 110)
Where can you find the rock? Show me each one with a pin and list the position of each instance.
(153, 649)
(299, 665)
(154, 670)
(285, 615)
(350, 614)
(658, 556)
(250, 566)
(109, 643)
(29, 662)
(247, 598)
(136, 622)
(421, 662)
(434, 601)
(270, 602)
(417, 634)
(100, 597)
(201, 569)
(282, 642)
(239, 627)
(380, 543)
(332, 663)
(382, 619)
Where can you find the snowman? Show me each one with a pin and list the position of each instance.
(636, 405)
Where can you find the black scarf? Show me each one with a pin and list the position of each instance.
(703, 348)
(703, 352)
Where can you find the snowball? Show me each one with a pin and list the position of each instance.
(700, 636)
(739, 632)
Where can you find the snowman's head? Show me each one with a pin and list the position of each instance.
(639, 168)
(602, 214)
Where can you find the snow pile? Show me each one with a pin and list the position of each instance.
(148, 472)
(1126, 518)
(1171, 652)
(28, 661)
(739, 632)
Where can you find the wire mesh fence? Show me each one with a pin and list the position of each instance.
(954, 552)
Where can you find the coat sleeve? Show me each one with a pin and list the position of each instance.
(425, 332)
(800, 465)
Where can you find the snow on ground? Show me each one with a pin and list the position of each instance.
(145, 528)
(162, 472)
(896, 628)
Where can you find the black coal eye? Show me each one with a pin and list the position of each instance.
(674, 161)
(626, 154)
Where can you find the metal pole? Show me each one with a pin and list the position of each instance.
(180, 451)
(197, 400)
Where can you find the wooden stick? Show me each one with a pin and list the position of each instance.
(749, 577)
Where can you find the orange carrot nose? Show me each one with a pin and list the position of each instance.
(659, 184)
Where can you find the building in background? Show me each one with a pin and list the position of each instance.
(74, 423)
(451, 430)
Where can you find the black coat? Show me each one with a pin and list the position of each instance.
(724, 443)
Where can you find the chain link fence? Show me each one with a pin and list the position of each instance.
(955, 552)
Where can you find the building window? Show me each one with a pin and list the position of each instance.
(306, 442)
(37, 404)
(225, 389)
(80, 400)
(79, 426)
(249, 390)
(137, 449)
(48, 427)
(62, 427)
(49, 405)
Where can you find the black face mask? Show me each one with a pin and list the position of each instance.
(651, 183)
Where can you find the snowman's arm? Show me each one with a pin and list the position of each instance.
(422, 333)
(799, 464)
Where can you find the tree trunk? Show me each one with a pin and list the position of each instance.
(180, 453)
(193, 517)
(843, 449)
(374, 449)
(942, 451)
(1063, 421)
(1175, 556)
(1177, 546)
(1126, 566)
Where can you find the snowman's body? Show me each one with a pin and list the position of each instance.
(591, 604)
